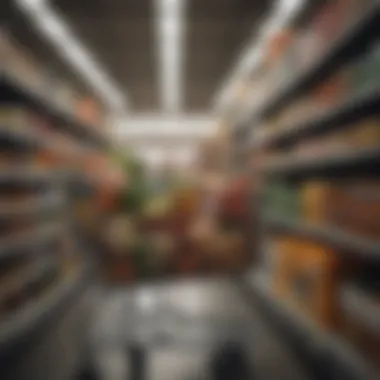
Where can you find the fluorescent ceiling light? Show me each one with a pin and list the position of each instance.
(170, 25)
(283, 13)
(155, 125)
(57, 31)
(155, 155)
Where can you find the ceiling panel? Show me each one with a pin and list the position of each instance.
(120, 34)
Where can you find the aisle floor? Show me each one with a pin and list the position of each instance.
(179, 325)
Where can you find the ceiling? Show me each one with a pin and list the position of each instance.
(120, 34)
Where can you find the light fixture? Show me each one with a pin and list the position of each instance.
(53, 27)
(156, 125)
(170, 43)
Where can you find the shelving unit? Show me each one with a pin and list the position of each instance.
(323, 349)
(17, 139)
(347, 45)
(34, 317)
(42, 204)
(329, 356)
(12, 245)
(13, 89)
(362, 162)
(355, 108)
(49, 270)
(332, 236)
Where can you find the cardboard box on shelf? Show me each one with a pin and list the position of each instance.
(352, 206)
(307, 277)
(358, 210)
(366, 133)
(285, 251)
(318, 198)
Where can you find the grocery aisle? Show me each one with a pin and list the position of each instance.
(179, 325)
(209, 160)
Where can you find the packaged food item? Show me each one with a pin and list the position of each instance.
(306, 49)
(352, 206)
(304, 109)
(227, 252)
(283, 199)
(330, 22)
(364, 72)
(318, 198)
(88, 111)
(358, 209)
(287, 64)
(285, 251)
(308, 278)
(234, 203)
(42, 128)
(117, 269)
(331, 92)
(64, 96)
(19, 64)
(365, 134)
(268, 257)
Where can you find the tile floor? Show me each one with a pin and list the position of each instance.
(178, 326)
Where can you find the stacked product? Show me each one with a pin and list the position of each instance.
(34, 78)
(352, 206)
(28, 221)
(295, 50)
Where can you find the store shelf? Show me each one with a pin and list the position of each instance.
(345, 241)
(20, 279)
(13, 245)
(31, 207)
(35, 318)
(363, 309)
(362, 162)
(328, 354)
(12, 138)
(13, 89)
(357, 107)
(27, 175)
(346, 45)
